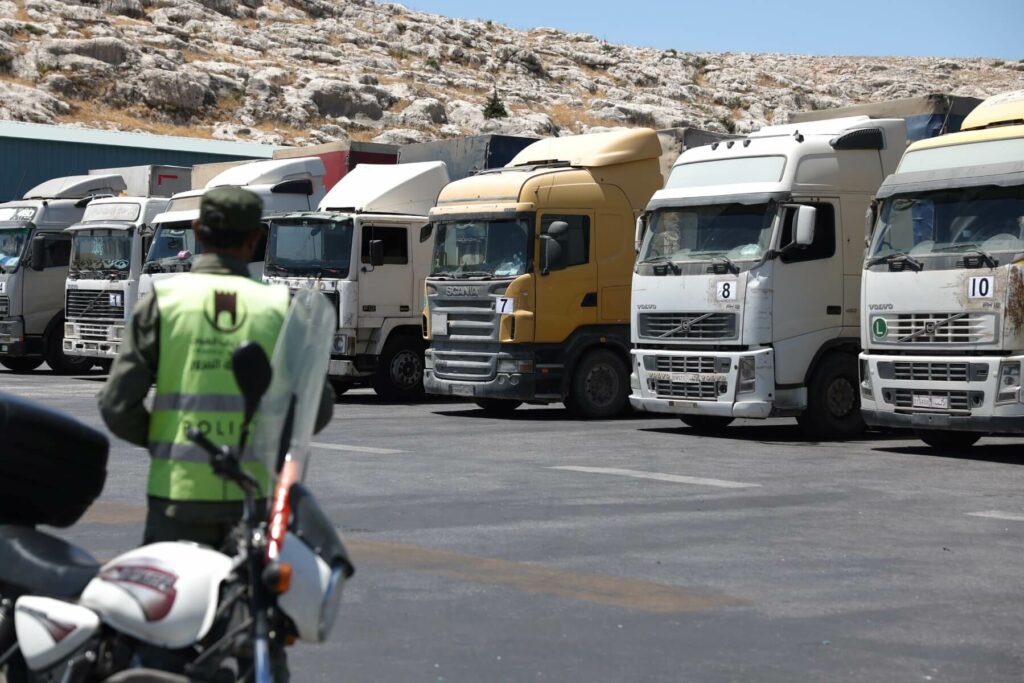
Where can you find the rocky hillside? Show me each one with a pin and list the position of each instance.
(303, 71)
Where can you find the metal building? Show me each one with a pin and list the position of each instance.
(33, 153)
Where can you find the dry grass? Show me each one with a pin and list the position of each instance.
(569, 117)
(363, 135)
(192, 55)
(9, 78)
(96, 114)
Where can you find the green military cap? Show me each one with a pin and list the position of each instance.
(230, 209)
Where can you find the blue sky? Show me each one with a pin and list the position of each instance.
(966, 28)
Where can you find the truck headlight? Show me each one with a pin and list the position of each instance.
(69, 329)
(1009, 382)
(512, 365)
(340, 345)
(748, 375)
(650, 362)
(117, 332)
(866, 390)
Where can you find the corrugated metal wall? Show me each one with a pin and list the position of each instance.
(24, 163)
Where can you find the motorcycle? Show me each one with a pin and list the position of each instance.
(173, 612)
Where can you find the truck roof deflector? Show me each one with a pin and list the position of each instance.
(863, 138)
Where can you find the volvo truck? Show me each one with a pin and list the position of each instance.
(366, 249)
(746, 288)
(528, 294)
(34, 256)
(943, 298)
(284, 186)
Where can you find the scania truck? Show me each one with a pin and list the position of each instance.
(284, 185)
(34, 256)
(746, 288)
(943, 298)
(528, 294)
(366, 249)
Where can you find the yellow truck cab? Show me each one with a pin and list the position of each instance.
(528, 295)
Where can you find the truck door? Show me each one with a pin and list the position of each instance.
(567, 298)
(384, 290)
(44, 289)
(808, 293)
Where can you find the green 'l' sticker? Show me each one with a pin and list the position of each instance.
(879, 327)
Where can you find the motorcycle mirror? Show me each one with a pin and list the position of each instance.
(252, 372)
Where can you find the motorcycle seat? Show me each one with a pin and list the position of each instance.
(41, 564)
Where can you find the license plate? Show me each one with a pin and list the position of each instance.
(462, 390)
(934, 402)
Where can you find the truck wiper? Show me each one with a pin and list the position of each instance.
(896, 256)
(729, 263)
(986, 257)
(664, 259)
(465, 275)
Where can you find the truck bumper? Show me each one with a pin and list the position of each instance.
(12, 338)
(509, 375)
(93, 339)
(703, 382)
(955, 393)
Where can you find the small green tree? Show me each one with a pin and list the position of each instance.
(495, 108)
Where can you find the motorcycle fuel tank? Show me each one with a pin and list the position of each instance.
(49, 630)
(164, 594)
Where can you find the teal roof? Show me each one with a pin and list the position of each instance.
(113, 138)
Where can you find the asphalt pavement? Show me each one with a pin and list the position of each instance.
(537, 547)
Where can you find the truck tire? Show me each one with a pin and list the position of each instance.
(60, 363)
(399, 375)
(948, 441)
(833, 400)
(498, 406)
(340, 387)
(706, 424)
(21, 365)
(600, 386)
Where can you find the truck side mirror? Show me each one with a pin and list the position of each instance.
(37, 261)
(870, 217)
(425, 232)
(550, 255)
(638, 236)
(805, 218)
(376, 253)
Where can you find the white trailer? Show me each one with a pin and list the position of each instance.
(943, 299)
(366, 248)
(284, 186)
(745, 293)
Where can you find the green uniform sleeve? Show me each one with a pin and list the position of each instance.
(132, 374)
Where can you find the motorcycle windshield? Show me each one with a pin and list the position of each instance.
(283, 428)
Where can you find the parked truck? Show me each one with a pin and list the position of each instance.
(528, 295)
(943, 297)
(108, 247)
(284, 185)
(34, 256)
(745, 293)
(365, 249)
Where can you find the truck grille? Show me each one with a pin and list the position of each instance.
(465, 365)
(959, 401)
(939, 328)
(94, 304)
(5, 306)
(704, 391)
(93, 332)
(925, 371)
(688, 325)
(703, 364)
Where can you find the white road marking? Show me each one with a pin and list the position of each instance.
(996, 514)
(658, 476)
(355, 449)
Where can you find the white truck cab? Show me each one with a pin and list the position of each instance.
(284, 186)
(745, 292)
(368, 249)
(34, 255)
(943, 299)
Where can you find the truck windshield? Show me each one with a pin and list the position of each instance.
(310, 247)
(986, 219)
(174, 245)
(12, 245)
(703, 233)
(101, 252)
(481, 248)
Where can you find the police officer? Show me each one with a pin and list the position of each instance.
(181, 337)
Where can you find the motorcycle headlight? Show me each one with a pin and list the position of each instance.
(748, 377)
(1009, 382)
(866, 389)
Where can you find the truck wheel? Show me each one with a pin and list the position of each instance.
(340, 386)
(498, 406)
(21, 365)
(706, 424)
(949, 442)
(399, 375)
(59, 362)
(833, 400)
(600, 386)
